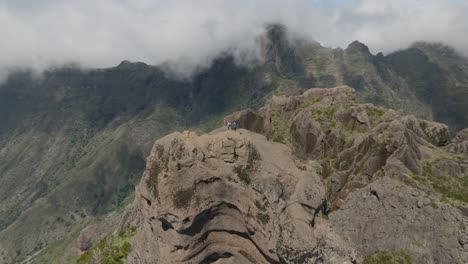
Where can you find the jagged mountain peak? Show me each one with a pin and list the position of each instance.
(126, 64)
(346, 177)
(358, 46)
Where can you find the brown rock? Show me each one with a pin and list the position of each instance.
(230, 209)
(235, 197)
(86, 237)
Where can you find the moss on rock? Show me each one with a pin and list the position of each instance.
(390, 257)
(182, 198)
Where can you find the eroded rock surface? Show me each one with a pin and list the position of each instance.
(85, 239)
(342, 181)
(390, 215)
(230, 196)
(460, 142)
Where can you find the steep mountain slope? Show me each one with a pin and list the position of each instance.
(428, 80)
(356, 179)
(73, 143)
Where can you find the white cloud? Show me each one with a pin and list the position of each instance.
(101, 33)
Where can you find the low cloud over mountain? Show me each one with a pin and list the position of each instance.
(189, 34)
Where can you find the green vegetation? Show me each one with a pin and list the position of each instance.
(284, 85)
(308, 102)
(420, 245)
(325, 116)
(375, 114)
(113, 249)
(182, 198)
(263, 218)
(389, 257)
(152, 183)
(452, 189)
(158, 166)
(8, 217)
(279, 129)
(328, 113)
(244, 172)
(254, 156)
(327, 168)
(210, 123)
(85, 258)
(426, 168)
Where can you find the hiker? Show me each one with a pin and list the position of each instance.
(227, 123)
(234, 125)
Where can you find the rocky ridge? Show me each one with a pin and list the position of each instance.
(342, 181)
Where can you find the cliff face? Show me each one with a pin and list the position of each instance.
(342, 181)
(233, 196)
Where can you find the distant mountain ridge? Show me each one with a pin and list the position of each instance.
(73, 144)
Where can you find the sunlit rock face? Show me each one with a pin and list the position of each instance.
(230, 196)
(342, 181)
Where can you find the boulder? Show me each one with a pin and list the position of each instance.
(459, 143)
(86, 237)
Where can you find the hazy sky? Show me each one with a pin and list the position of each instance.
(101, 33)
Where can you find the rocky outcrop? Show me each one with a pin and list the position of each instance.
(232, 196)
(350, 179)
(460, 142)
(86, 237)
(390, 215)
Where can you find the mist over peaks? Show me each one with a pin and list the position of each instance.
(187, 35)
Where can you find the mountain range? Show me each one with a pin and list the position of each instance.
(74, 142)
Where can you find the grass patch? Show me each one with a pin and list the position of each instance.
(419, 179)
(308, 102)
(210, 123)
(86, 257)
(327, 168)
(374, 113)
(390, 257)
(152, 183)
(426, 168)
(324, 116)
(263, 218)
(452, 189)
(159, 166)
(244, 172)
(182, 198)
(113, 249)
(279, 129)
(327, 113)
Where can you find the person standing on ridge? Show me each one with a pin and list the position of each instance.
(227, 123)
(234, 125)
